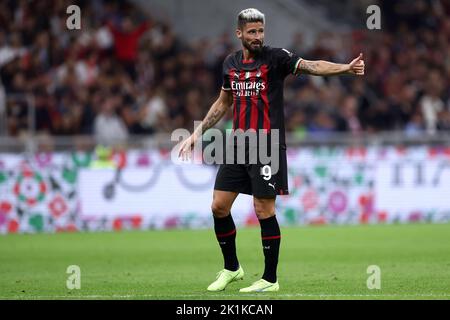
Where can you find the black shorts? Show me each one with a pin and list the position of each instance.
(254, 179)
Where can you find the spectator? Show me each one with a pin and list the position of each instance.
(443, 123)
(109, 128)
(322, 124)
(126, 41)
(348, 117)
(154, 112)
(415, 126)
(431, 103)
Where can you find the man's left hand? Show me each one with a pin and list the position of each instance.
(357, 66)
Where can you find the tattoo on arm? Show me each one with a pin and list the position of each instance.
(215, 113)
(213, 116)
(211, 119)
(309, 67)
(322, 68)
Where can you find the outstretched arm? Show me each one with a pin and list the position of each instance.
(215, 113)
(326, 68)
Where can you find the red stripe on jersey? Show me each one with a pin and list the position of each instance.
(243, 102)
(266, 122)
(254, 105)
(231, 74)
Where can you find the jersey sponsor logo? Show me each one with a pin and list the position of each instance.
(247, 87)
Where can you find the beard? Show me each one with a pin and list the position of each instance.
(252, 48)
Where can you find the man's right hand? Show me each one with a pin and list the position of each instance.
(186, 147)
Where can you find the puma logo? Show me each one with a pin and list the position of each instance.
(272, 185)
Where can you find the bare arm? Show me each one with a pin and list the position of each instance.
(326, 68)
(215, 113)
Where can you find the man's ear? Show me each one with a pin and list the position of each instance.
(239, 33)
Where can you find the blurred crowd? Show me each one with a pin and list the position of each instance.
(407, 82)
(125, 72)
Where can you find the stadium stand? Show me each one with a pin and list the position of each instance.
(132, 74)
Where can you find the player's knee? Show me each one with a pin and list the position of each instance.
(264, 214)
(264, 210)
(219, 210)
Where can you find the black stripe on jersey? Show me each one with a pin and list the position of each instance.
(242, 103)
(248, 110)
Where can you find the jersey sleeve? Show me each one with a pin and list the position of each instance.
(226, 85)
(286, 61)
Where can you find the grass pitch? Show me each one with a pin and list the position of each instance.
(326, 262)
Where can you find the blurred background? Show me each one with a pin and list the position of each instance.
(86, 115)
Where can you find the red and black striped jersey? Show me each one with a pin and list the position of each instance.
(257, 87)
